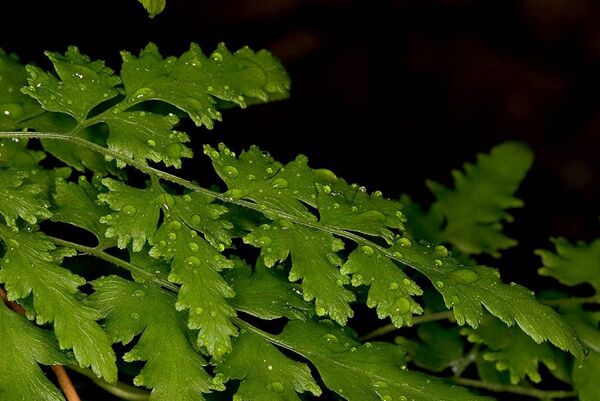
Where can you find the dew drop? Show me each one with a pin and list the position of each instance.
(143, 93)
(438, 263)
(466, 276)
(216, 56)
(405, 242)
(139, 293)
(380, 384)
(193, 246)
(173, 150)
(13, 110)
(330, 338)
(196, 219)
(393, 286)
(277, 387)
(135, 316)
(151, 143)
(441, 250)
(192, 261)
(174, 226)
(402, 305)
(367, 250)
(251, 177)
(129, 209)
(280, 183)
(231, 171)
(320, 310)
(264, 241)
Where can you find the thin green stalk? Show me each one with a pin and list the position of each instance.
(505, 388)
(121, 390)
(571, 301)
(114, 260)
(388, 328)
(222, 197)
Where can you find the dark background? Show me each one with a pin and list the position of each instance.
(388, 93)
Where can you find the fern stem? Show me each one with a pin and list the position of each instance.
(388, 328)
(65, 383)
(521, 390)
(114, 260)
(121, 390)
(431, 317)
(196, 188)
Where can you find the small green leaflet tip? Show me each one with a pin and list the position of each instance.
(154, 7)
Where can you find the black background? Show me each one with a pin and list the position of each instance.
(387, 93)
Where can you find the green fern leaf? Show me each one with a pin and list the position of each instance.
(174, 372)
(195, 260)
(467, 289)
(440, 347)
(368, 372)
(314, 260)
(136, 212)
(265, 293)
(193, 81)
(195, 264)
(14, 106)
(265, 373)
(390, 289)
(23, 347)
(510, 349)
(83, 84)
(475, 209)
(77, 204)
(19, 199)
(572, 264)
(29, 267)
(154, 7)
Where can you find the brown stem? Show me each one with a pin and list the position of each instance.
(65, 383)
(63, 378)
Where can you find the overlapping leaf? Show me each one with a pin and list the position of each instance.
(92, 94)
(367, 372)
(193, 81)
(174, 372)
(314, 260)
(510, 349)
(30, 266)
(467, 289)
(23, 347)
(195, 260)
(195, 264)
(78, 204)
(265, 293)
(390, 291)
(440, 347)
(19, 198)
(265, 373)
